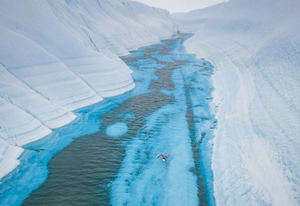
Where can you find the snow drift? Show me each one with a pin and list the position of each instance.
(255, 47)
(58, 56)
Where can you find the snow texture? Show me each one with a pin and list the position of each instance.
(59, 56)
(255, 48)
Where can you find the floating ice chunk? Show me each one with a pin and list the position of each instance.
(116, 130)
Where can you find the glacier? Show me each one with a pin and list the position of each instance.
(254, 46)
(60, 56)
(180, 128)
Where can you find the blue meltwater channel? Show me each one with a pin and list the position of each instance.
(108, 156)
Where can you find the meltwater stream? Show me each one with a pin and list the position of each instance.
(168, 112)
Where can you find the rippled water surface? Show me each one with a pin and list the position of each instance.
(168, 112)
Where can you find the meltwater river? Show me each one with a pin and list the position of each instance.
(113, 162)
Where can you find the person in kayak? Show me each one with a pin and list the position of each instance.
(164, 158)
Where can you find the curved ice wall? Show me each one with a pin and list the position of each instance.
(58, 56)
(255, 47)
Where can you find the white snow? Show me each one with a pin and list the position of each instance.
(8, 157)
(255, 47)
(19, 94)
(58, 56)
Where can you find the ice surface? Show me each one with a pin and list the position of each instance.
(116, 130)
(8, 157)
(254, 46)
(19, 127)
(58, 56)
(145, 179)
(18, 93)
(181, 130)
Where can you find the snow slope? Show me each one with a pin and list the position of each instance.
(255, 47)
(58, 56)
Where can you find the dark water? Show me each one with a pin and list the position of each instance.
(82, 173)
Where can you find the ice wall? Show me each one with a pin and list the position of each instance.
(58, 56)
(255, 47)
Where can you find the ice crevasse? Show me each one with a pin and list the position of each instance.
(254, 46)
(59, 56)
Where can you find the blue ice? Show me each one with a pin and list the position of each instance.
(145, 180)
(142, 178)
(116, 130)
(33, 171)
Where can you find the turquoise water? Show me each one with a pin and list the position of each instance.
(114, 160)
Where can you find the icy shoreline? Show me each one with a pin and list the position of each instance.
(57, 57)
(33, 161)
(181, 129)
(168, 111)
(255, 51)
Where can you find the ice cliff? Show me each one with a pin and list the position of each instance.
(255, 47)
(58, 56)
